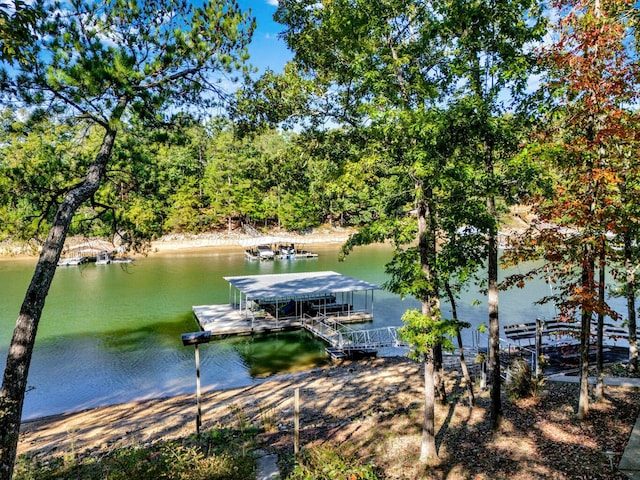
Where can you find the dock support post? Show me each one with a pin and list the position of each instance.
(199, 416)
(195, 339)
(296, 423)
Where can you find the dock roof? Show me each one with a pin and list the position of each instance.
(284, 285)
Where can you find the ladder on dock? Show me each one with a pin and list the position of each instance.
(343, 342)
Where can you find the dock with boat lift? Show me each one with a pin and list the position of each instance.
(326, 304)
(279, 302)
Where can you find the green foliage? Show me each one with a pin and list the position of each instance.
(330, 462)
(215, 457)
(189, 178)
(17, 20)
(422, 332)
(39, 160)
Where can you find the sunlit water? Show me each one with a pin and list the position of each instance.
(111, 333)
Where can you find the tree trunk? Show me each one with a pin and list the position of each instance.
(630, 292)
(14, 381)
(600, 327)
(428, 446)
(438, 375)
(494, 326)
(463, 363)
(585, 331)
(430, 308)
(492, 283)
(494, 334)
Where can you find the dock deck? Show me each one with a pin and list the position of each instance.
(225, 320)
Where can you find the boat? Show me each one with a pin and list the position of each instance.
(72, 261)
(265, 252)
(305, 254)
(286, 252)
(122, 260)
(261, 252)
(103, 258)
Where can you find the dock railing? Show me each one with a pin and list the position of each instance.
(340, 336)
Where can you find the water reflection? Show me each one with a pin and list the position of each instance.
(281, 352)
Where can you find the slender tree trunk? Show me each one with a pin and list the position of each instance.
(492, 277)
(438, 374)
(585, 331)
(630, 293)
(428, 449)
(463, 363)
(494, 333)
(430, 308)
(600, 327)
(14, 381)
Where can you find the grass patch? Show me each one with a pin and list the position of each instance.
(330, 462)
(216, 455)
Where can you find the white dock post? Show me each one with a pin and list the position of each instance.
(195, 339)
(296, 423)
(199, 416)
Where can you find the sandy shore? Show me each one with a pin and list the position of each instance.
(329, 396)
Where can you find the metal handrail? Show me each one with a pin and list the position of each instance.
(339, 336)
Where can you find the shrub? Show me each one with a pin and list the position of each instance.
(521, 383)
(328, 463)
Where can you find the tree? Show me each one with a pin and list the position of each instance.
(591, 78)
(18, 21)
(106, 62)
(585, 127)
(491, 60)
(371, 68)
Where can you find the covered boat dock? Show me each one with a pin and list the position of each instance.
(265, 303)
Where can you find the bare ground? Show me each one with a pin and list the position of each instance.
(373, 408)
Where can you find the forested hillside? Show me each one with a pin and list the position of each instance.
(191, 177)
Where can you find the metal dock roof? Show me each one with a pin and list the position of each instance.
(282, 285)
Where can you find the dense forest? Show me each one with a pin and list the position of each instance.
(416, 122)
(187, 177)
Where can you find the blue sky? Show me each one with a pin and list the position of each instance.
(267, 50)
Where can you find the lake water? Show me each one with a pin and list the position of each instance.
(111, 333)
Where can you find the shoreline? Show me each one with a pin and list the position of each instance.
(188, 243)
(142, 422)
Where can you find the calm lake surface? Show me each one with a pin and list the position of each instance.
(111, 333)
